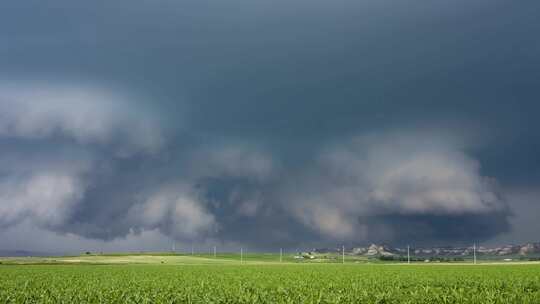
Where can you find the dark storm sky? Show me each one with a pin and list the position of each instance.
(124, 124)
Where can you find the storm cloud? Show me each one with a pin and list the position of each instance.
(411, 174)
(300, 123)
(84, 114)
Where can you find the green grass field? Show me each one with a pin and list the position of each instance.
(179, 259)
(260, 279)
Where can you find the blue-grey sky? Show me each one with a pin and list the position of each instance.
(124, 124)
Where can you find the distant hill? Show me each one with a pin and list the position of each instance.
(528, 249)
(22, 253)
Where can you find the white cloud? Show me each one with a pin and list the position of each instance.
(26, 235)
(85, 114)
(404, 175)
(44, 175)
(176, 210)
(44, 196)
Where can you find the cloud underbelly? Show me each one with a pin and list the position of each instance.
(79, 161)
(390, 177)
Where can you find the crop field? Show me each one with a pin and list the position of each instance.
(201, 280)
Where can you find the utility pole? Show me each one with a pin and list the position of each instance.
(408, 254)
(174, 246)
(215, 252)
(241, 255)
(281, 255)
(192, 250)
(474, 253)
(343, 254)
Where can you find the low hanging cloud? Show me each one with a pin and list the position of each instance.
(44, 198)
(176, 211)
(390, 176)
(58, 140)
(110, 174)
(87, 115)
(44, 192)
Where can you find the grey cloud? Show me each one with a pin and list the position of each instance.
(389, 174)
(44, 197)
(59, 141)
(248, 204)
(45, 192)
(352, 189)
(233, 160)
(524, 224)
(242, 114)
(27, 235)
(115, 199)
(85, 114)
(176, 211)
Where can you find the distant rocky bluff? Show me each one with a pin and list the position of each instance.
(385, 250)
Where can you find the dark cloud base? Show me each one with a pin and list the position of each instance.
(437, 230)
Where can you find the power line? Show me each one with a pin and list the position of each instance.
(241, 255)
(474, 253)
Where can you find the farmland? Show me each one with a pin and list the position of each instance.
(184, 279)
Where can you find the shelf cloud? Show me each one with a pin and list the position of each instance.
(411, 174)
(83, 114)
